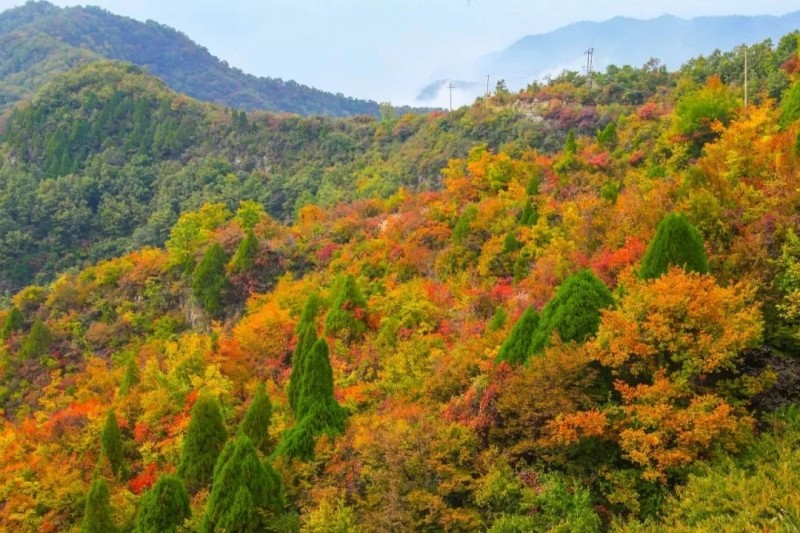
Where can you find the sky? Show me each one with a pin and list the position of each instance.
(385, 50)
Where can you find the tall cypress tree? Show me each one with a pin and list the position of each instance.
(347, 315)
(256, 421)
(37, 343)
(202, 443)
(111, 441)
(97, 513)
(164, 507)
(574, 312)
(208, 281)
(517, 347)
(316, 408)
(14, 322)
(131, 376)
(306, 332)
(677, 243)
(247, 495)
(571, 145)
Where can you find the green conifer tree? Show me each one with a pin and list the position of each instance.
(511, 244)
(164, 507)
(316, 408)
(245, 256)
(676, 243)
(529, 215)
(14, 322)
(111, 441)
(608, 136)
(306, 332)
(208, 281)
(131, 377)
(461, 229)
(532, 189)
(37, 343)
(346, 318)
(499, 319)
(574, 312)
(247, 495)
(256, 421)
(570, 145)
(517, 347)
(97, 513)
(202, 443)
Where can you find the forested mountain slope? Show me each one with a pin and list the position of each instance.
(40, 40)
(588, 319)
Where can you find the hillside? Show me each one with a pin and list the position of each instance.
(40, 40)
(570, 308)
(618, 41)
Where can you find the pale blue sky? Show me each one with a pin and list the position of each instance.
(385, 49)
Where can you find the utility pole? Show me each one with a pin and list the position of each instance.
(450, 86)
(746, 87)
(590, 65)
(486, 100)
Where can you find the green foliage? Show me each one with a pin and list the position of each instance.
(247, 495)
(607, 138)
(164, 507)
(245, 255)
(316, 408)
(698, 111)
(131, 377)
(574, 312)
(347, 316)
(256, 421)
(570, 145)
(37, 343)
(517, 347)
(208, 280)
(499, 319)
(14, 322)
(790, 105)
(462, 227)
(529, 215)
(97, 514)
(676, 243)
(111, 441)
(511, 244)
(532, 189)
(306, 332)
(202, 443)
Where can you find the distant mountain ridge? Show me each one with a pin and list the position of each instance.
(39, 40)
(619, 41)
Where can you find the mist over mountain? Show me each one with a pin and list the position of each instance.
(618, 41)
(40, 40)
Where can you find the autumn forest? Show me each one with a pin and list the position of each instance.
(571, 308)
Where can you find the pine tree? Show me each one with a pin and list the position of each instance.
(164, 507)
(532, 189)
(208, 281)
(256, 421)
(202, 443)
(14, 322)
(245, 255)
(316, 408)
(97, 513)
(247, 495)
(517, 347)
(111, 441)
(676, 243)
(498, 320)
(461, 229)
(574, 312)
(347, 316)
(37, 343)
